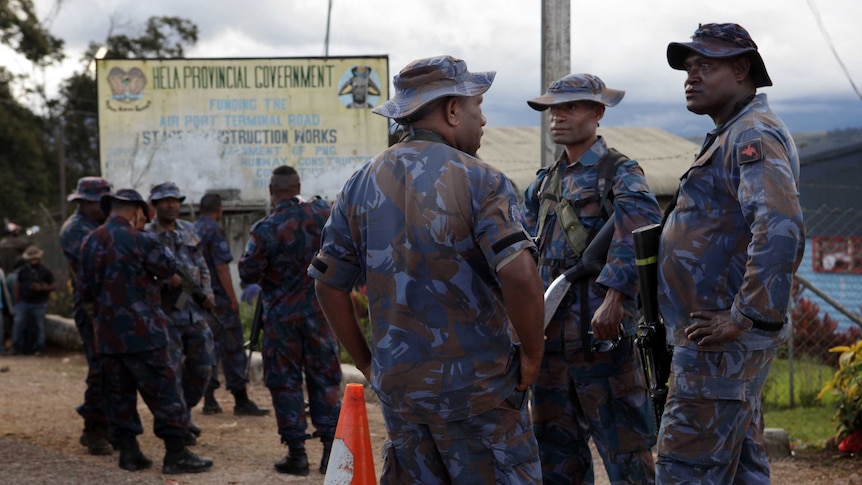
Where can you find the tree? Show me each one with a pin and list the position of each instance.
(163, 37)
(21, 30)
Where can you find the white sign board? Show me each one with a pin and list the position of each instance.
(224, 124)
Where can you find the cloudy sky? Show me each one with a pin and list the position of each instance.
(622, 41)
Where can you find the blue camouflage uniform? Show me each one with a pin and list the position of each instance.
(228, 338)
(424, 226)
(296, 336)
(72, 234)
(733, 242)
(191, 336)
(118, 272)
(603, 395)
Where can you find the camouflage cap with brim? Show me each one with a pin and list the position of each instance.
(425, 80)
(90, 188)
(166, 190)
(577, 87)
(125, 196)
(720, 41)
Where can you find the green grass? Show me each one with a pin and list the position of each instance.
(809, 421)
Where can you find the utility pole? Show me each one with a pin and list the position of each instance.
(556, 61)
(60, 140)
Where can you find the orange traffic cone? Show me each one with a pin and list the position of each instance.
(351, 461)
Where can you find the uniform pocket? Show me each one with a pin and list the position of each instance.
(703, 418)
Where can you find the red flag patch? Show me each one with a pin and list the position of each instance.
(749, 152)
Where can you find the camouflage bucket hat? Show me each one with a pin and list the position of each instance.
(720, 41)
(90, 188)
(126, 196)
(577, 87)
(425, 80)
(166, 190)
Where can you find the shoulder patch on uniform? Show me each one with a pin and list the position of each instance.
(749, 152)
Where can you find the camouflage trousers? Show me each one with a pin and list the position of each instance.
(229, 350)
(93, 408)
(192, 353)
(289, 348)
(150, 374)
(712, 428)
(606, 400)
(497, 446)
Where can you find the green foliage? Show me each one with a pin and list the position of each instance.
(22, 30)
(164, 38)
(809, 376)
(847, 386)
(807, 426)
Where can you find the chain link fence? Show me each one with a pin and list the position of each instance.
(827, 306)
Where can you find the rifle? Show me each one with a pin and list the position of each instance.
(192, 289)
(652, 336)
(254, 335)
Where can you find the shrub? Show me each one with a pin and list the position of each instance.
(847, 385)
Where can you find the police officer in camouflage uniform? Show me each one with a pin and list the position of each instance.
(437, 236)
(729, 248)
(86, 218)
(584, 391)
(296, 336)
(192, 349)
(228, 335)
(118, 273)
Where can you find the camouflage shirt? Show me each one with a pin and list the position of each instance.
(736, 236)
(634, 206)
(277, 255)
(72, 234)
(117, 273)
(424, 226)
(185, 244)
(216, 252)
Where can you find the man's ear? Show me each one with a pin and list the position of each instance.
(452, 111)
(741, 67)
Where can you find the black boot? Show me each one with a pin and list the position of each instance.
(324, 461)
(211, 406)
(131, 457)
(295, 463)
(94, 437)
(245, 406)
(179, 459)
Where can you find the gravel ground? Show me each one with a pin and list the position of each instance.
(39, 432)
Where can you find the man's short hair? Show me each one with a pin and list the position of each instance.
(284, 170)
(210, 203)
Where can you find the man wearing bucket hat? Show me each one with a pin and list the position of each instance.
(590, 385)
(731, 241)
(86, 218)
(34, 286)
(437, 236)
(119, 270)
(192, 347)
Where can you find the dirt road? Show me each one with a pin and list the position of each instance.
(39, 432)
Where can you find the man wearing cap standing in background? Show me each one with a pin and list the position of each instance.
(731, 241)
(296, 336)
(586, 389)
(119, 270)
(87, 217)
(437, 236)
(192, 349)
(32, 290)
(228, 335)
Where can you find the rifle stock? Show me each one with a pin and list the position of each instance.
(190, 287)
(652, 337)
(254, 335)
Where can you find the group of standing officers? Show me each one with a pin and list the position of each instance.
(455, 266)
(156, 310)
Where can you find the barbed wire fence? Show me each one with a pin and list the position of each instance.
(827, 306)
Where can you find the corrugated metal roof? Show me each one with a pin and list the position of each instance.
(663, 156)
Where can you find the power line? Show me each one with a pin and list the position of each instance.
(832, 46)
